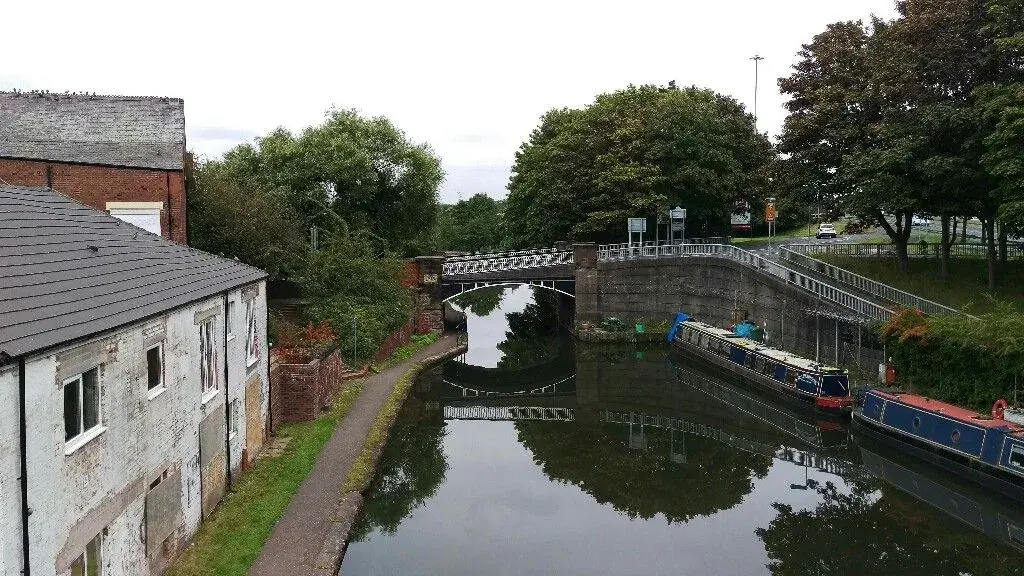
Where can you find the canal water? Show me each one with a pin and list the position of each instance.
(534, 455)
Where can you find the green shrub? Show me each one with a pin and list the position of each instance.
(958, 359)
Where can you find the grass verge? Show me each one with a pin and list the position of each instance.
(361, 474)
(966, 286)
(231, 539)
(417, 343)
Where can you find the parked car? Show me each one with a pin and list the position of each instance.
(826, 231)
(919, 220)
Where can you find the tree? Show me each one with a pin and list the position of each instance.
(347, 282)
(472, 225)
(229, 218)
(838, 146)
(350, 172)
(634, 153)
(1002, 105)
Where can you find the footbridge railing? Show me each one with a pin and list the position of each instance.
(827, 291)
(506, 261)
(799, 257)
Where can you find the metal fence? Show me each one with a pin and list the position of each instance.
(1014, 251)
(826, 290)
(866, 285)
(505, 261)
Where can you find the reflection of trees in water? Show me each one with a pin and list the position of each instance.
(859, 533)
(411, 469)
(643, 483)
(533, 335)
(481, 302)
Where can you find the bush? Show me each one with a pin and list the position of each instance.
(958, 359)
(359, 295)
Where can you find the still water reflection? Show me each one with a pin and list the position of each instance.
(638, 462)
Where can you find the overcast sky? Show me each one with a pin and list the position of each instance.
(470, 78)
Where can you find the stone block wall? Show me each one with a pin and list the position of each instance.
(710, 289)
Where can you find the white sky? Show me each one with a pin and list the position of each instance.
(470, 78)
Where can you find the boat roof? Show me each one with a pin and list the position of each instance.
(783, 356)
(951, 410)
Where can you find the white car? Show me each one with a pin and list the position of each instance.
(826, 231)
(918, 220)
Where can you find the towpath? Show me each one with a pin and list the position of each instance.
(294, 547)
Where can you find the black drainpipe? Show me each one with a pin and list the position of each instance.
(25, 512)
(227, 396)
(49, 175)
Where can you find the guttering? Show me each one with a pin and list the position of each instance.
(23, 434)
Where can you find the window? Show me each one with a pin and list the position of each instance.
(155, 366)
(145, 215)
(1017, 455)
(208, 356)
(233, 417)
(252, 343)
(81, 404)
(88, 564)
(230, 320)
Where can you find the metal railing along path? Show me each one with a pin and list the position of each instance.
(864, 284)
(1015, 250)
(504, 262)
(825, 291)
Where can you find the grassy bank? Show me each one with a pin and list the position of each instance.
(965, 287)
(362, 472)
(231, 539)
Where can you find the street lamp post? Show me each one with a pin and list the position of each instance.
(756, 58)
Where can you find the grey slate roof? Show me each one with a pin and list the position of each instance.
(135, 131)
(68, 271)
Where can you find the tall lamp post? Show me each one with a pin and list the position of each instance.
(756, 58)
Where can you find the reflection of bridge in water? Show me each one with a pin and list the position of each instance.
(820, 462)
(556, 376)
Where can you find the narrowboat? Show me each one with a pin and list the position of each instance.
(984, 448)
(826, 388)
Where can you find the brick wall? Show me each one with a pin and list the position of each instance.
(398, 338)
(97, 185)
(301, 392)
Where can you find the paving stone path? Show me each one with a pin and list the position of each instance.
(294, 547)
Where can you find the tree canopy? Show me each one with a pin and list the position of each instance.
(472, 225)
(912, 115)
(634, 153)
(349, 172)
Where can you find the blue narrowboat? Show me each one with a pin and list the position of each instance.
(826, 388)
(981, 447)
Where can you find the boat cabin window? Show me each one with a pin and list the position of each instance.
(1017, 456)
(791, 376)
(750, 360)
(835, 385)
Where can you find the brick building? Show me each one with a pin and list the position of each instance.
(134, 388)
(121, 154)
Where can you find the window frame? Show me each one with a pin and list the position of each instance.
(83, 559)
(229, 320)
(84, 434)
(154, 391)
(209, 381)
(252, 352)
